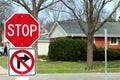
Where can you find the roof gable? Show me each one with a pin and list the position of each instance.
(57, 31)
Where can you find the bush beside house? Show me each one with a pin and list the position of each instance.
(74, 50)
(112, 54)
(66, 49)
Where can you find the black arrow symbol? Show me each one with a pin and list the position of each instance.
(25, 58)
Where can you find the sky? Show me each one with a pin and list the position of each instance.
(109, 7)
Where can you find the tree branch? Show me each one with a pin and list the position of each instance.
(118, 5)
(96, 3)
(40, 3)
(101, 8)
(79, 20)
(64, 11)
(23, 4)
(97, 16)
(34, 4)
(48, 5)
(86, 9)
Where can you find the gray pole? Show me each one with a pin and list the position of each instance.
(106, 78)
(22, 78)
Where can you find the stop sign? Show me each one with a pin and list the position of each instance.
(22, 30)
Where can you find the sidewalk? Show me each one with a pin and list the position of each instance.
(67, 76)
(3, 71)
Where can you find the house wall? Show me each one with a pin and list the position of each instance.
(58, 32)
(99, 42)
(43, 48)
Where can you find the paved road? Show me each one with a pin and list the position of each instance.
(78, 76)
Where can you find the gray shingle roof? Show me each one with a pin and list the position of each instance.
(44, 37)
(72, 27)
(112, 28)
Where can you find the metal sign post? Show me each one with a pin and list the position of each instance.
(106, 78)
(22, 78)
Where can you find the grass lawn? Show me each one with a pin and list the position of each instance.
(68, 67)
(4, 61)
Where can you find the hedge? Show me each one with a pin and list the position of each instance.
(112, 54)
(67, 49)
(99, 54)
(74, 50)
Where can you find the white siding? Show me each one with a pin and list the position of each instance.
(57, 32)
(43, 48)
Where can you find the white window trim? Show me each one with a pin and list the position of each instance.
(114, 43)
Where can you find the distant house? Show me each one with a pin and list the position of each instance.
(71, 29)
(43, 44)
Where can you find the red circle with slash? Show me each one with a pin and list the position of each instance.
(15, 55)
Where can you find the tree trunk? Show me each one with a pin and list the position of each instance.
(35, 14)
(90, 52)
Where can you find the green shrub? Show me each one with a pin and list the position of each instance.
(73, 50)
(98, 54)
(67, 49)
(112, 54)
(83, 56)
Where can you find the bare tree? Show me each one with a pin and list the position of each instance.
(1, 32)
(5, 12)
(34, 7)
(57, 12)
(54, 13)
(92, 10)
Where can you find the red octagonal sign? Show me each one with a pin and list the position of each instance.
(22, 30)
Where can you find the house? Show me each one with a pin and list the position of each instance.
(71, 29)
(43, 44)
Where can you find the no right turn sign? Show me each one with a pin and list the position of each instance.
(22, 61)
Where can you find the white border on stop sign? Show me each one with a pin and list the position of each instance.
(33, 18)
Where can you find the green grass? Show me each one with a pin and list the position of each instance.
(4, 61)
(60, 67)
(75, 67)
(68, 67)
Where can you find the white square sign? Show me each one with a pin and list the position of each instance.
(22, 61)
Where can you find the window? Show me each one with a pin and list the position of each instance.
(114, 41)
